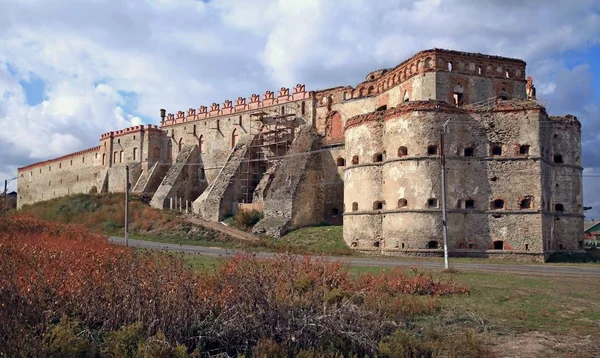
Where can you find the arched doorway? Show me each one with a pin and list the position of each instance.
(201, 144)
(234, 138)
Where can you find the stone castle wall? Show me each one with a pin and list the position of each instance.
(375, 165)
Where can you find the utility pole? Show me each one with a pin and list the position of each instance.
(4, 199)
(127, 205)
(444, 211)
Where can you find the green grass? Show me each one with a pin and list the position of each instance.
(317, 239)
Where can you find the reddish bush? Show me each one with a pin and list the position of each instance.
(49, 271)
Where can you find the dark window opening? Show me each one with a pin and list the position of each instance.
(432, 150)
(402, 151)
(354, 206)
(376, 244)
(377, 157)
(498, 245)
(503, 95)
(303, 108)
(580, 243)
(402, 203)
(498, 204)
(370, 89)
(469, 152)
(469, 204)
(402, 245)
(377, 205)
(559, 208)
(335, 212)
(340, 162)
(561, 247)
(526, 247)
(382, 108)
(355, 159)
(558, 158)
(525, 203)
(494, 178)
(405, 98)
(459, 204)
(471, 246)
(524, 150)
(496, 149)
(432, 203)
(433, 244)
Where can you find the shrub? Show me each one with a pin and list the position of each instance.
(247, 219)
(67, 291)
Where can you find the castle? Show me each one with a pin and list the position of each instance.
(367, 156)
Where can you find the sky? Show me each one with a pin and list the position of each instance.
(72, 70)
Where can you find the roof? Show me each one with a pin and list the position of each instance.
(591, 226)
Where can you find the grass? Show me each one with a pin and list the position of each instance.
(503, 304)
(324, 239)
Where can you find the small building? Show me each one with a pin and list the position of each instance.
(592, 233)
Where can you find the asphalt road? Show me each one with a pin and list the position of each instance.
(539, 269)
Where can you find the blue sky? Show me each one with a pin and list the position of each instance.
(86, 67)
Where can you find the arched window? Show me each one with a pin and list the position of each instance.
(506, 74)
(340, 162)
(402, 203)
(180, 145)
(449, 66)
(201, 144)
(432, 150)
(134, 153)
(355, 160)
(498, 245)
(497, 204)
(503, 94)
(428, 62)
(234, 137)
(377, 157)
(402, 151)
(354, 206)
(405, 98)
(558, 158)
(377, 205)
(458, 94)
(103, 158)
(525, 203)
(303, 108)
(370, 90)
(559, 208)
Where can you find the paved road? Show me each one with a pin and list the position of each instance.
(539, 269)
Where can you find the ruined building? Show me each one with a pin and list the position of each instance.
(367, 156)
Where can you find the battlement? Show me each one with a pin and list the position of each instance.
(433, 60)
(56, 160)
(130, 130)
(241, 105)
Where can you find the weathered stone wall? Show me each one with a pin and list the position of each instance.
(75, 173)
(393, 188)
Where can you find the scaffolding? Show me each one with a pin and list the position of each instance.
(273, 134)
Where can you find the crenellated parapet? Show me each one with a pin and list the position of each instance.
(130, 130)
(434, 60)
(242, 104)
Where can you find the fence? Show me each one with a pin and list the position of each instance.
(591, 243)
(259, 206)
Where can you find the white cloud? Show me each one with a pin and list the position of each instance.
(180, 54)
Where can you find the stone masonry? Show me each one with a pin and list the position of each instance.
(367, 156)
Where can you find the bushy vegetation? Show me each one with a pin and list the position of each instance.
(65, 292)
(245, 220)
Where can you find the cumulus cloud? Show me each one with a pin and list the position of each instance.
(109, 64)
